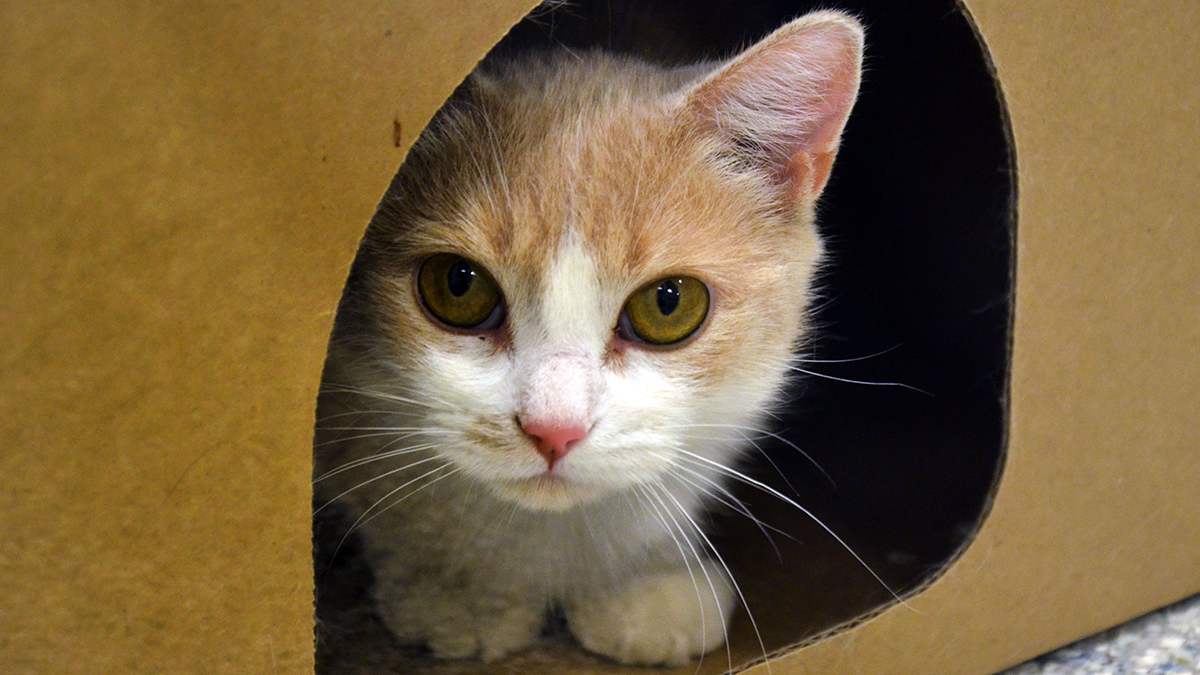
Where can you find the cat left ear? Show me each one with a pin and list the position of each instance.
(788, 97)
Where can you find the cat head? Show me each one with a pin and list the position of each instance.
(592, 272)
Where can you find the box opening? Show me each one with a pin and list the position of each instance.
(904, 411)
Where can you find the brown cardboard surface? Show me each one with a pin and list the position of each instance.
(183, 189)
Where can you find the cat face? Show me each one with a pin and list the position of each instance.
(592, 273)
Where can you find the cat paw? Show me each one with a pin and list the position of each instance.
(461, 625)
(664, 619)
(498, 636)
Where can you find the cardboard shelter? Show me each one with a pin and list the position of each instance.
(183, 189)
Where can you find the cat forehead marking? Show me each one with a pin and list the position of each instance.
(572, 309)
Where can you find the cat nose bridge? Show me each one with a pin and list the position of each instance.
(559, 388)
(557, 402)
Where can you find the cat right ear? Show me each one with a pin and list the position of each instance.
(787, 98)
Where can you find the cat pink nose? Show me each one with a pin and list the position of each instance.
(554, 440)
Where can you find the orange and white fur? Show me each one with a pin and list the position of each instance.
(549, 455)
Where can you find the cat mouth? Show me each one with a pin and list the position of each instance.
(547, 492)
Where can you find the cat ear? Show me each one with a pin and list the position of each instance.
(787, 98)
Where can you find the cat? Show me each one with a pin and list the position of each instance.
(582, 291)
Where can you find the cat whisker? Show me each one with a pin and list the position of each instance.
(662, 491)
(381, 476)
(364, 413)
(732, 503)
(373, 458)
(401, 434)
(385, 396)
(663, 513)
(767, 456)
(747, 480)
(364, 519)
(721, 494)
(804, 359)
(400, 439)
(423, 430)
(821, 301)
(847, 380)
(764, 433)
(719, 439)
(736, 586)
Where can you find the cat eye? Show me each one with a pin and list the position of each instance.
(459, 292)
(665, 312)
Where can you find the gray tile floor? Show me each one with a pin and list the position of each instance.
(1166, 642)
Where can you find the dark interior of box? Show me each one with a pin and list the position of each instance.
(904, 410)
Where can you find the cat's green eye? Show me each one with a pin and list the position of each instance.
(666, 311)
(459, 292)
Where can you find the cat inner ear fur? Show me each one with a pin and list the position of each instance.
(787, 98)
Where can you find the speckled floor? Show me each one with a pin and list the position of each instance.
(1166, 642)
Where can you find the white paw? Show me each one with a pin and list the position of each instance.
(489, 639)
(460, 625)
(664, 619)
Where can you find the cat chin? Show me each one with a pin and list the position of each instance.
(548, 493)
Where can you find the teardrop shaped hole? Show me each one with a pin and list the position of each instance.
(901, 415)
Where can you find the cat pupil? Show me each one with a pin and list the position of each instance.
(668, 297)
(460, 277)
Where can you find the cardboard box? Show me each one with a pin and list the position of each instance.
(185, 184)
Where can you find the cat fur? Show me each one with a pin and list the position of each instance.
(575, 179)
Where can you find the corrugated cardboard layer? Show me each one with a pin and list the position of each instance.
(183, 190)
